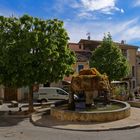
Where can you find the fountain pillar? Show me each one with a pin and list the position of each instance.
(89, 98)
(71, 105)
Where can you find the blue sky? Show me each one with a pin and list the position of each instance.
(119, 17)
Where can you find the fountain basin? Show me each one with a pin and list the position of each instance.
(62, 113)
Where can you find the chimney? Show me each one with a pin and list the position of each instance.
(88, 36)
(123, 41)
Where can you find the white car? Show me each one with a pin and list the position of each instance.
(53, 93)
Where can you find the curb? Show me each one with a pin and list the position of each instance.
(36, 116)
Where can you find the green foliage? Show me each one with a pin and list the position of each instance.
(120, 90)
(33, 50)
(109, 59)
(131, 95)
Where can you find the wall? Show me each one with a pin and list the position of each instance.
(75, 67)
(138, 75)
(61, 113)
(132, 62)
(74, 47)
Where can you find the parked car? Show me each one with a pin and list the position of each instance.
(51, 93)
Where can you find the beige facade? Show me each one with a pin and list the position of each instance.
(138, 69)
(77, 67)
(138, 75)
(130, 52)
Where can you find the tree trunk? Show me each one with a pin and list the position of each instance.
(30, 99)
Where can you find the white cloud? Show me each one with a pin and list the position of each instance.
(74, 4)
(84, 14)
(122, 11)
(136, 3)
(132, 33)
(92, 5)
(85, 8)
(103, 6)
(60, 5)
(125, 30)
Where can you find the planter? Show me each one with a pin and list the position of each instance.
(121, 98)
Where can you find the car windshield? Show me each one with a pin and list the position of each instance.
(61, 92)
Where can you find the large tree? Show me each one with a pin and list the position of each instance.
(108, 58)
(33, 51)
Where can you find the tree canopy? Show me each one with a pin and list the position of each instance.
(33, 51)
(109, 59)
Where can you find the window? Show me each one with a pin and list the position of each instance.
(80, 46)
(43, 94)
(80, 67)
(138, 60)
(124, 52)
(133, 84)
(61, 92)
(133, 71)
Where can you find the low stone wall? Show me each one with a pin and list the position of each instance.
(61, 113)
(134, 103)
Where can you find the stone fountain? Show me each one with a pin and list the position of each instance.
(90, 81)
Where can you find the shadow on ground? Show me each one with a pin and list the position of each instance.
(6, 121)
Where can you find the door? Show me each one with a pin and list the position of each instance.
(10, 94)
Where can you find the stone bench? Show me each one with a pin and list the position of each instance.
(14, 103)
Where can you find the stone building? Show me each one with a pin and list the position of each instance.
(84, 48)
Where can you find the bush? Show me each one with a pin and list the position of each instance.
(120, 93)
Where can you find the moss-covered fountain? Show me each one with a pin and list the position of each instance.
(91, 82)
